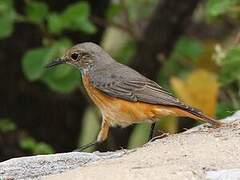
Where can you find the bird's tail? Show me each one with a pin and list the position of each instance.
(208, 119)
(197, 114)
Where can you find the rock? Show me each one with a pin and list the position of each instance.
(199, 153)
(231, 174)
(42, 165)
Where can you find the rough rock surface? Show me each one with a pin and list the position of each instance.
(199, 153)
(42, 165)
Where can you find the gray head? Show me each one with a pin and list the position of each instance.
(84, 56)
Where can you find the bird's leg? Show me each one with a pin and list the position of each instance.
(152, 131)
(102, 136)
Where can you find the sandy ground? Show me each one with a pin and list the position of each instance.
(200, 153)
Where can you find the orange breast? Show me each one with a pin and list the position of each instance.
(122, 112)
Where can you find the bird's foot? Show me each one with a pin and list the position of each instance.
(86, 146)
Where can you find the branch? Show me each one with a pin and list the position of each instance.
(168, 23)
(104, 23)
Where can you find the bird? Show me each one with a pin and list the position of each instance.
(123, 95)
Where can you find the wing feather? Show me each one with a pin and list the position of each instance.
(136, 89)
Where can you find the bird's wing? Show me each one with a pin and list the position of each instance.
(132, 86)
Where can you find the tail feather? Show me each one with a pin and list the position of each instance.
(210, 120)
(200, 115)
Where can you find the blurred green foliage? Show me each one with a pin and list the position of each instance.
(189, 54)
(75, 17)
(26, 143)
(62, 79)
(215, 8)
(7, 125)
(31, 145)
(7, 18)
(36, 11)
(184, 57)
(187, 48)
(231, 66)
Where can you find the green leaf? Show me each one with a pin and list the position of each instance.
(55, 24)
(5, 6)
(86, 26)
(215, 7)
(28, 143)
(59, 47)
(188, 48)
(6, 29)
(7, 18)
(79, 9)
(230, 69)
(7, 125)
(224, 110)
(43, 148)
(75, 17)
(62, 78)
(59, 79)
(34, 61)
(36, 11)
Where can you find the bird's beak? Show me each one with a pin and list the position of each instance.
(56, 62)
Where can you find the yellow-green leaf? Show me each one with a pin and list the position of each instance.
(199, 89)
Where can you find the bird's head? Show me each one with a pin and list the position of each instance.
(84, 56)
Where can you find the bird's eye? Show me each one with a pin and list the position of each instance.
(75, 56)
